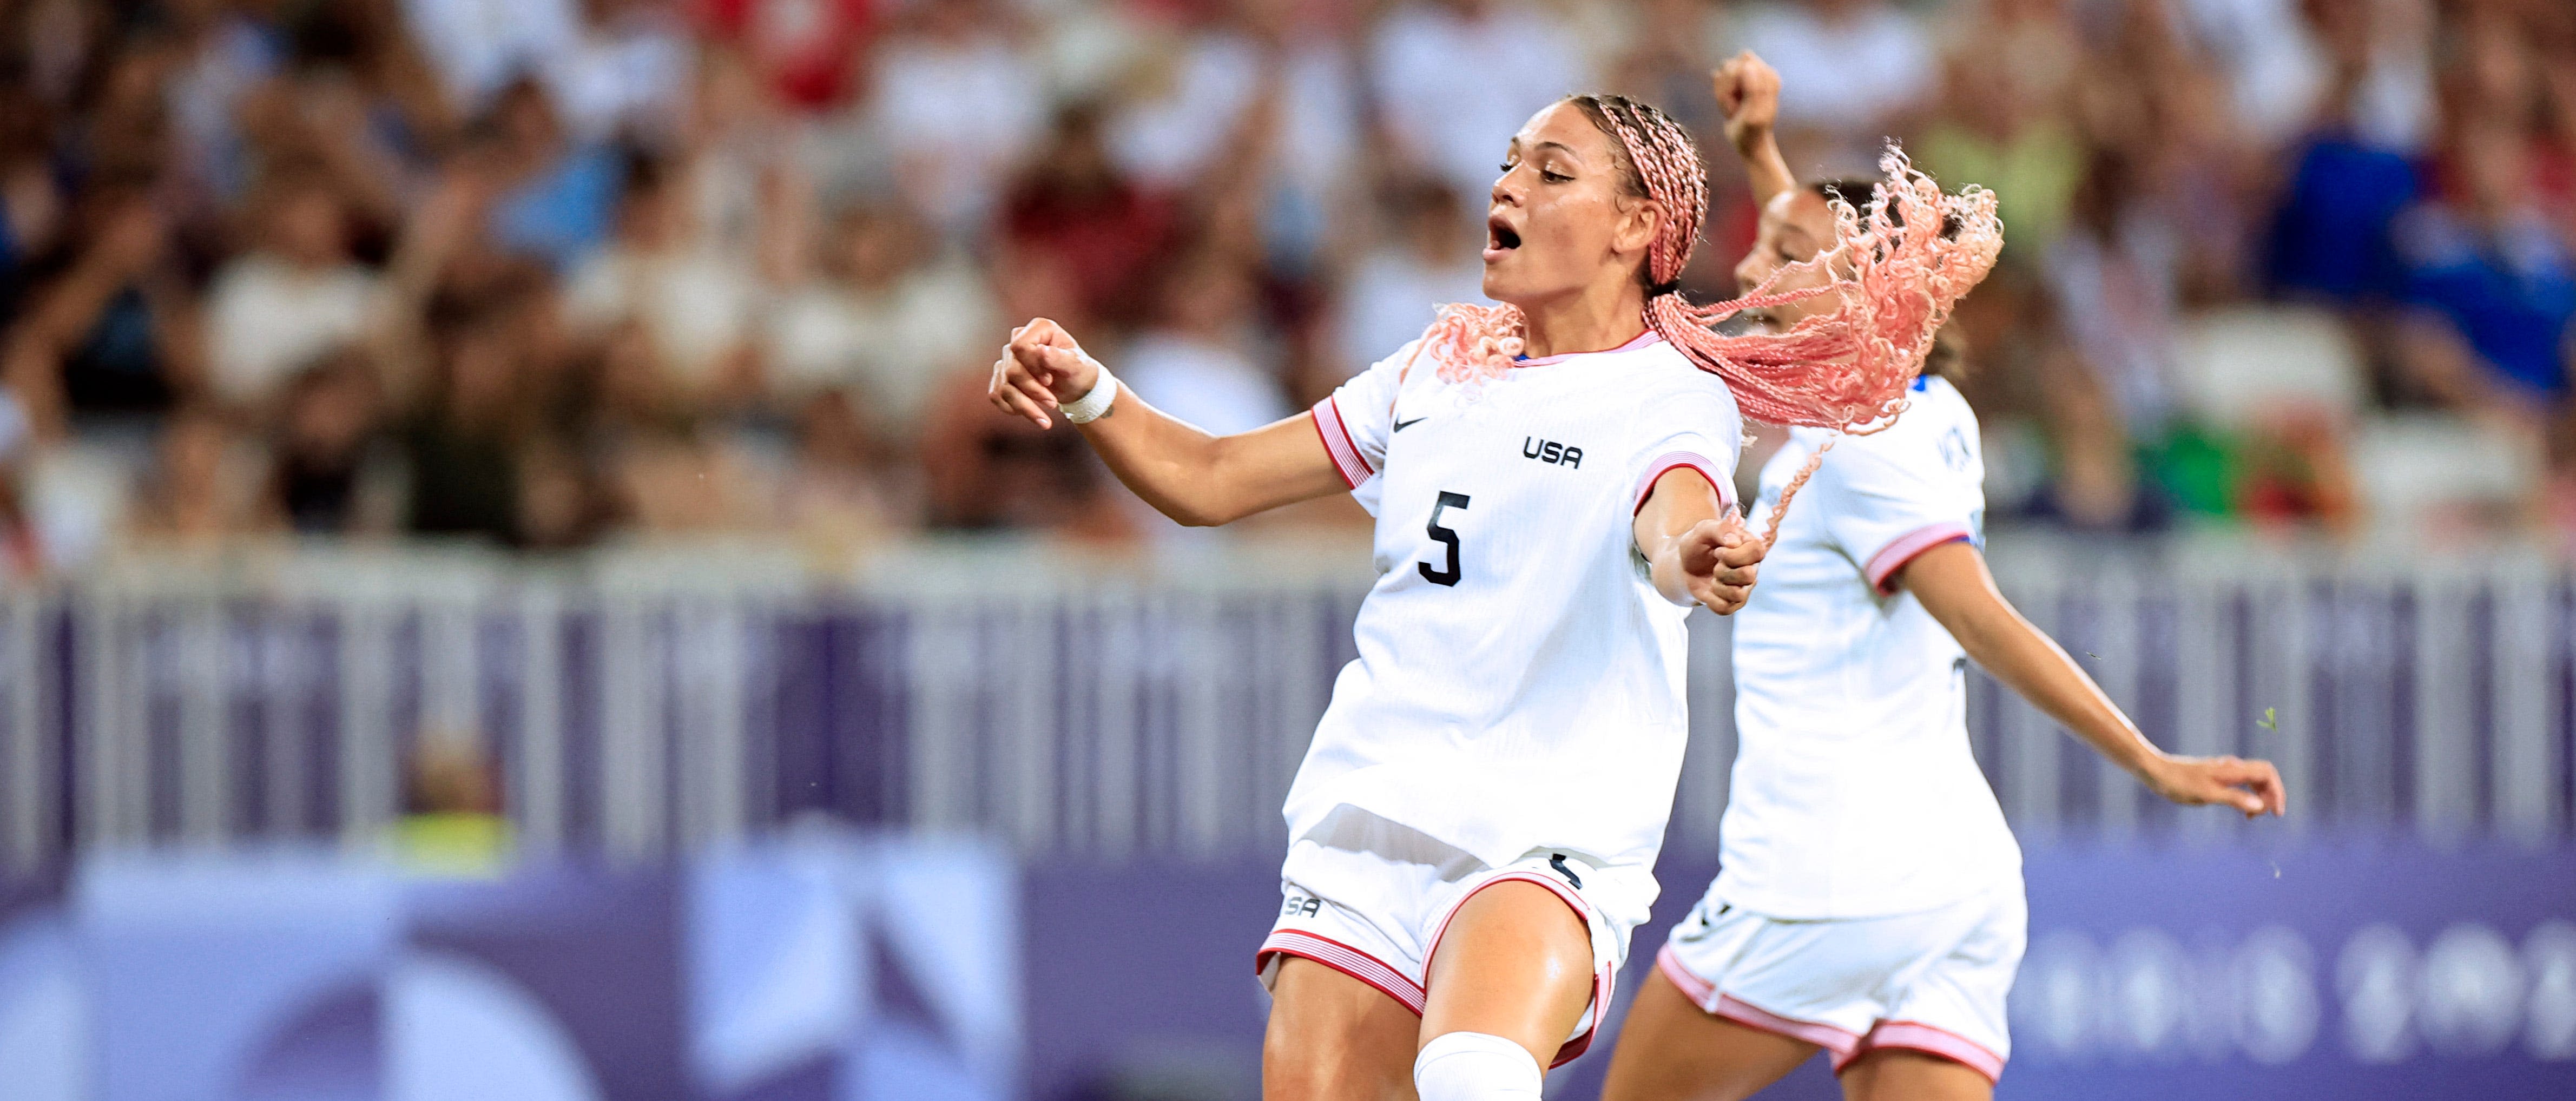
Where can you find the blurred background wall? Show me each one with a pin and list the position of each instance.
(501, 545)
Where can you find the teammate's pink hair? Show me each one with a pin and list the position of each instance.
(1897, 267)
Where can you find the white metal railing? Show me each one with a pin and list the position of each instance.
(640, 702)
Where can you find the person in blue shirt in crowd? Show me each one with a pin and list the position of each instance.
(2492, 269)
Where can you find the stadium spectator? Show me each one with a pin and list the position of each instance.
(557, 199)
(31, 192)
(1424, 257)
(1861, 68)
(480, 47)
(837, 498)
(224, 51)
(113, 330)
(2116, 273)
(201, 488)
(625, 70)
(1197, 359)
(1075, 207)
(2493, 286)
(328, 475)
(888, 316)
(296, 295)
(1989, 135)
(1264, 92)
(462, 446)
(958, 102)
(1456, 78)
(693, 300)
(804, 51)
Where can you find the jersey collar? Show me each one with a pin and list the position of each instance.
(1648, 337)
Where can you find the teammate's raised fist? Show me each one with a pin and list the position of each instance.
(1748, 91)
(1041, 368)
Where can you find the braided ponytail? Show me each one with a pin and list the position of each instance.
(1846, 369)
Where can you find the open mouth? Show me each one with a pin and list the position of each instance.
(1500, 237)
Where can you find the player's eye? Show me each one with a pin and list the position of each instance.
(1555, 177)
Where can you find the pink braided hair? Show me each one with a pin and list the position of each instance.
(1847, 369)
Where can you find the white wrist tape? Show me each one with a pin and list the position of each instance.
(1094, 405)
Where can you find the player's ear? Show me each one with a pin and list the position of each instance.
(1639, 221)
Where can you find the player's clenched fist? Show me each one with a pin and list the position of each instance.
(1719, 560)
(1748, 93)
(1040, 369)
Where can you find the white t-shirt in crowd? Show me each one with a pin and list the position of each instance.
(1454, 90)
(1392, 295)
(957, 117)
(1854, 792)
(696, 303)
(1848, 74)
(268, 319)
(893, 345)
(1520, 682)
(1208, 384)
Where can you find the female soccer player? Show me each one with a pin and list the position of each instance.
(1870, 897)
(1473, 828)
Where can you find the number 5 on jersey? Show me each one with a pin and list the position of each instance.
(1446, 575)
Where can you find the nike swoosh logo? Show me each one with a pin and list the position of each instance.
(1402, 425)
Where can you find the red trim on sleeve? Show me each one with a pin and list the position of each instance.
(1667, 463)
(1346, 455)
(1895, 555)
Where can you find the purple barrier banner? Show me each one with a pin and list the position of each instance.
(829, 967)
(816, 968)
(2356, 971)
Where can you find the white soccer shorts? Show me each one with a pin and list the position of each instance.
(1371, 898)
(1932, 982)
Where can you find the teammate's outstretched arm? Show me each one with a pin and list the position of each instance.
(1952, 582)
(1695, 544)
(1748, 93)
(1191, 476)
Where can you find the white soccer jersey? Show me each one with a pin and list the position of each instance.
(1854, 792)
(1519, 681)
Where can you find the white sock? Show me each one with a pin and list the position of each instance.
(1475, 1066)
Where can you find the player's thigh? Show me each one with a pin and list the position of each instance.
(1515, 962)
(1672, 1050)
(1333, 1037)
(1897, 1074)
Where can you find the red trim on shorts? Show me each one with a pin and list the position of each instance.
(1829, 1037)
(1343, 958)
(1603, 978)
(1917, 1036)
(1666, 464)
(1895, 555)
(1354, 467)
(1679, 974)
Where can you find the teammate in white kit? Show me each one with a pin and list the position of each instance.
(1473, 828)
(1869, 901)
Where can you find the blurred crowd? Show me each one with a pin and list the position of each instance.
(552, 272)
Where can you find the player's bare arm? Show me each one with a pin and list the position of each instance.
(1697, 547)
(1186, 473)
(1748, 93)
(1952, 582)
